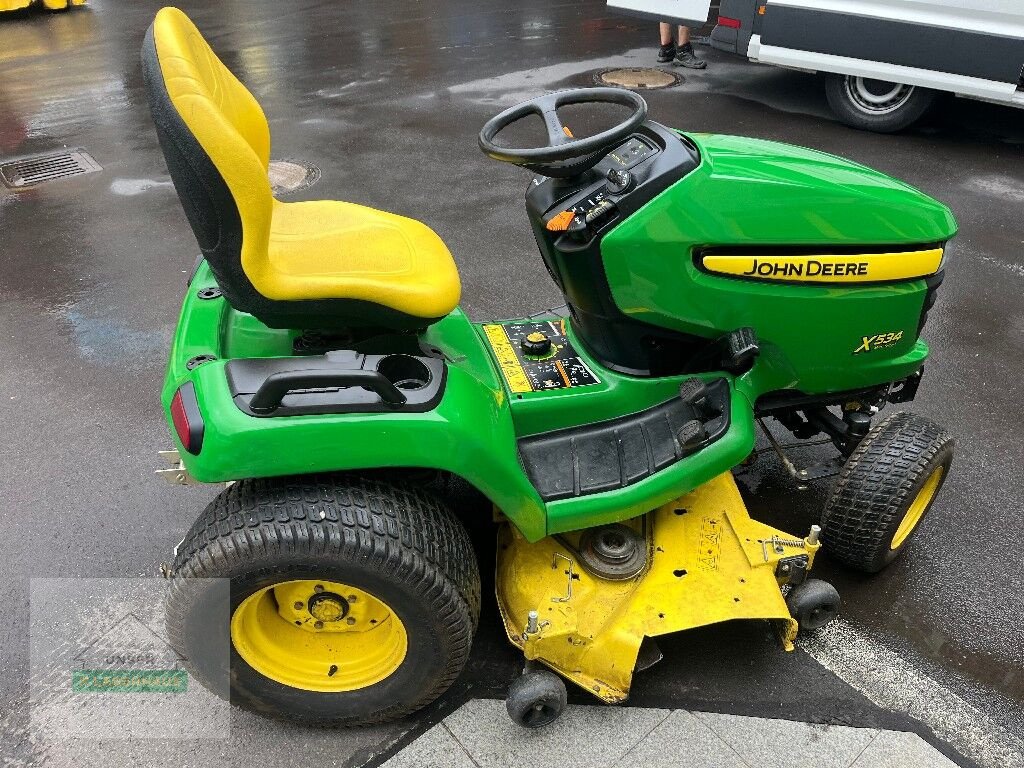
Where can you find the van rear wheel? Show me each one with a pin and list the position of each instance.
(876, 105)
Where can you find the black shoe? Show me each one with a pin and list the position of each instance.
(666, 53)
(685, 57)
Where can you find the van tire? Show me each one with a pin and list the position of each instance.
(853, 101)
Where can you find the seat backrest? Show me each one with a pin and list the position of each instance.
(216, 142)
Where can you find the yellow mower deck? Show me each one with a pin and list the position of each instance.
(707, 562)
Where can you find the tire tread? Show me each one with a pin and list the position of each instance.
(395, 528)
(875, 486)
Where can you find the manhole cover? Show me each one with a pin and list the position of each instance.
(38, 169)
(638, 77)
(292, 175)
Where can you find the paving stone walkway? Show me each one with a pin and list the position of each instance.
(480, 735)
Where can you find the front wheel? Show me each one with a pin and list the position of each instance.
(537, 698)
(352, 601)
(884, 491)
(814, 603)
(876, 105)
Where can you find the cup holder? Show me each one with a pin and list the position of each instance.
(404, 372)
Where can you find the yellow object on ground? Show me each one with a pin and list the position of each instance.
(50, 5)
(319, 636)
(707, 562)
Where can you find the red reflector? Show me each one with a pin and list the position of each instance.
(180, 419)
(725, 21)
(186, 418)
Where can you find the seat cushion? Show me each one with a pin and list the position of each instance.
(335, 250)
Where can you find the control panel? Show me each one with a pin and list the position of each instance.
(596, 205)
(624, 157)
(570, 217)
(537, 356)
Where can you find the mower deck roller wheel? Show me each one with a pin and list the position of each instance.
(352, 600)
(536, 699)
(884, 491)
(813, 604)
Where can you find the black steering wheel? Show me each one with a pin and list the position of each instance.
(564, 156)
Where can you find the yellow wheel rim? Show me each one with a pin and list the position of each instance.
(319, 636)
(917, 508)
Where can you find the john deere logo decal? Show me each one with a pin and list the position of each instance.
(809, 268)
(827, 268)
(878, 341)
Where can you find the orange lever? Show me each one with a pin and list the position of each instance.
(560, 221)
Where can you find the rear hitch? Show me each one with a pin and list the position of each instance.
(175, 473)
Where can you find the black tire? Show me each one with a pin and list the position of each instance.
(536, 698)
(813, 604)
(877, 487)
(851, 98)
(396, 542)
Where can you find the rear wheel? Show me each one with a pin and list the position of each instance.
(884, 491)
(876, 105)
(352, 601)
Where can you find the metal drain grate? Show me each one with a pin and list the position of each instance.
(39, 169)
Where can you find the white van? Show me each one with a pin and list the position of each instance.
(885, 59)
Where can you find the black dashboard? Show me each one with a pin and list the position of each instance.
(570, 216)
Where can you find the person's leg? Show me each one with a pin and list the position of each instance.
(685, 57)
(667, 51)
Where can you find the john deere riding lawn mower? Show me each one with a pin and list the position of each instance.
(323, 368)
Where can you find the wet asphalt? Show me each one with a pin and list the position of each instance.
(386, 99)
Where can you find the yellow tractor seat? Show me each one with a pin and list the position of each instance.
(321, 265)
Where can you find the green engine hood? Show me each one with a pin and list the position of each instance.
(756, 192)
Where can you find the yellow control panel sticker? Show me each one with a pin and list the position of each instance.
(507, 359)
(556, 366)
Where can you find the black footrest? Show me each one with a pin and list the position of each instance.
(693, 391)
(691, 434)
(593, 458)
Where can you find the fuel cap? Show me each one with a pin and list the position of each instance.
(536, 344)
